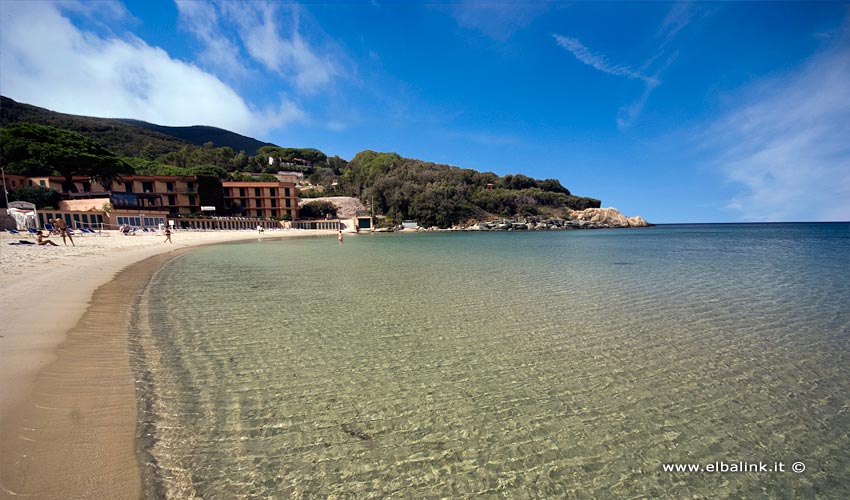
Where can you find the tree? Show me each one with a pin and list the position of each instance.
(68, 153)
(317, 210)
(40, 196)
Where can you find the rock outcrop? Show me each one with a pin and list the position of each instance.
(610, 216)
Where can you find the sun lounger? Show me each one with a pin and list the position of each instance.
(13, 231)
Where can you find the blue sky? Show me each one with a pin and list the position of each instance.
(680, 112)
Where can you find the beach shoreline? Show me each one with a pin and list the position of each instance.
(68, 403)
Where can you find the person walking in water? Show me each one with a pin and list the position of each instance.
(168, 236)
(339, 237)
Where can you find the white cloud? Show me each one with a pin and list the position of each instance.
(45, 60)
(219, 52)
(784, 144)
(260, 26)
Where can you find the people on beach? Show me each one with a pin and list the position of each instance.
(259, 229)
(168, 236)
(339, 237)
(60, 226)
(42, 239)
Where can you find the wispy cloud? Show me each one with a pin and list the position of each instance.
(678, 17)
(259, 26)
(497, 20)
(599, 61)
(219, 52)
(784, 143)
(48, 61)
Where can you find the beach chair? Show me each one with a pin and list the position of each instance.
(13, 231)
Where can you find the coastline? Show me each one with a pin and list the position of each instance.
(68, 403)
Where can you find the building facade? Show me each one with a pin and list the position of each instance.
(261, 199)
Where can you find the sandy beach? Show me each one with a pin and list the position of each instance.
(67, 404)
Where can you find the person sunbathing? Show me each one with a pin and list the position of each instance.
(41, 239)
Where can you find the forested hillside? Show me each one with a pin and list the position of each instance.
(120, 138)
(442, 195)
(396, 187)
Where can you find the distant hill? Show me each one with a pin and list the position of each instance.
(126, 137)
(201, 134)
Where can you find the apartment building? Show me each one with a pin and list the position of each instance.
(261, 199)
(166, 193)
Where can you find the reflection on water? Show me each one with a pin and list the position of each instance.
(539, 365)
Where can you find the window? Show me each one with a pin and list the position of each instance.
(286, 192)
(128, 187)
(172, 200)
(191, 199)
(147, 187)
(259, 213)
(226, 192)
(274, 202)
(129, 221)
(242, 192)
(257, 192)
(190, 186)
(274, 213)
(272, 192)
(258, 203)
(41, 183)
(169, 186)
(87, 187)
(153, 221)
(288, 202)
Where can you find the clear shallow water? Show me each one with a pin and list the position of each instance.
(501, 365)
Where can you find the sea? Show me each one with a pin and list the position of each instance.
(678, 361)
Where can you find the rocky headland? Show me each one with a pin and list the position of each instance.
(591, 218)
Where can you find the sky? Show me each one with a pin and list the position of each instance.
(679, 112)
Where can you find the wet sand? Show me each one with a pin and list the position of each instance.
(68, 405)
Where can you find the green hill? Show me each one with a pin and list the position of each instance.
(201, 134)
(120, 138)
(126, 137)
(444, 195)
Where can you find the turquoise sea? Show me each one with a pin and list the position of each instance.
(501, 365)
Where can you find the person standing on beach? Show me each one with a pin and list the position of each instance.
(259, 229)
(168, 236)
(60, 226)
